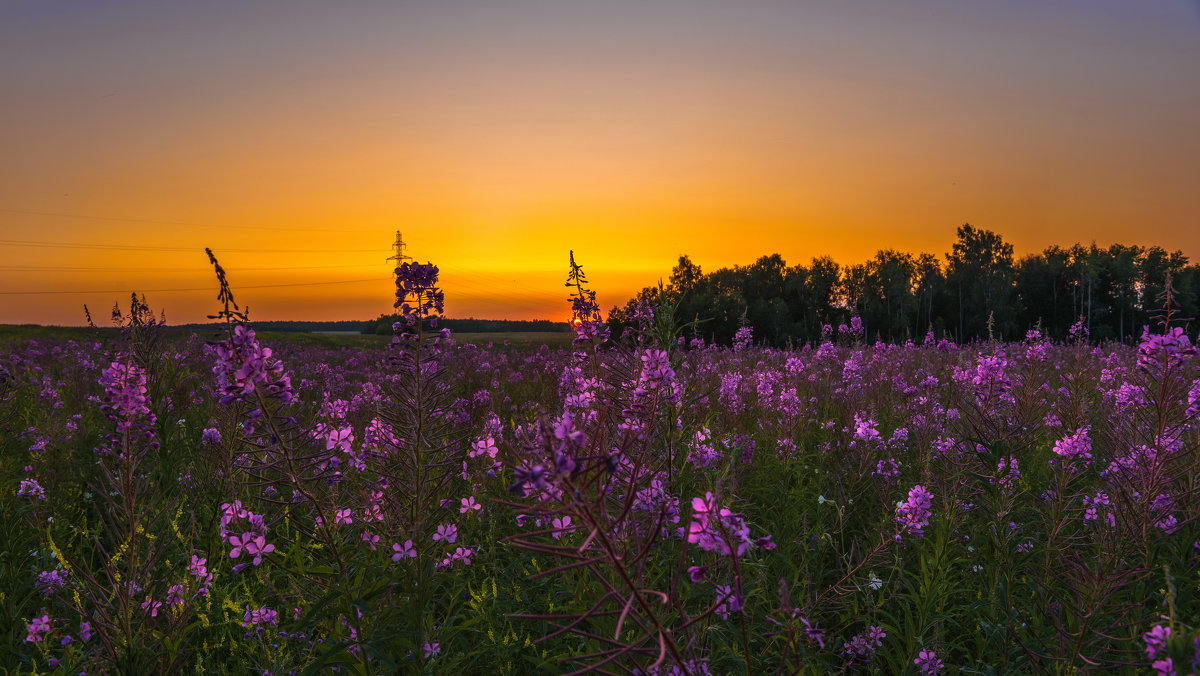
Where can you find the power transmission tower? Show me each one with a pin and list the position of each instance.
(398, 246)
(399, 257)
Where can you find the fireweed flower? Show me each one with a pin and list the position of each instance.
(36, 629)
(210, 436)
(469, 504)
(198, 569)
(913, 514)
(151, 606)
(250, 543)
(417, 293)
(743, 338)
(50, 581)
(861, 647)
(716, 529)
(1074, 450)
(697, 573)
(928, 663)
(1159, 351)
(463, 554)
(727, 601)
(484, 446)
(243, 366)
(1193, 400)
(562, 526)
(1156, 640)
(1093, 504)
(258, 616)
(31, 488)
(702, 451)
(371, 539)
(447, 532)
(404, 551)
(125, 394)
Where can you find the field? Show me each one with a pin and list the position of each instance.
(647, 505)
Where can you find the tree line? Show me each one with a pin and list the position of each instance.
(977, 289)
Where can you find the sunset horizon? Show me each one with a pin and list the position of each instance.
(296, 139)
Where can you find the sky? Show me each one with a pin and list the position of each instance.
(295, 138)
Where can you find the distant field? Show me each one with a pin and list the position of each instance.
(12, 332)
(552, 338)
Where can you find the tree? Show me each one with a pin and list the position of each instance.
(980, 268)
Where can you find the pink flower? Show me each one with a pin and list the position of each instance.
(151, 606)
(39, 626)
(468, 504)
(562, 526)
(251, 543)
(342, 517)
(447, 532)
(404, 551)
(928, 663)
(486, 445)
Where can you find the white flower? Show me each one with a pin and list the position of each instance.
(874, 582)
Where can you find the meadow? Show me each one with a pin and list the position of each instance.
(641, 504)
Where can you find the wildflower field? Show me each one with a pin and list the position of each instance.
(635, 504)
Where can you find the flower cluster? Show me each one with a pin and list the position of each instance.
(1075, 450)
(252, 542)
(244, 366)
(716, 529)
(913, 514)
(861, 647)
(31, 488)
(417, 293)
(125, 395)
(1163, 350)
(928, 663)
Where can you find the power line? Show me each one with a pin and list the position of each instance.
(131, 247)
(202, 288)
(71, 268)
(181, 223)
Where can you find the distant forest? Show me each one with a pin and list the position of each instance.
(383, 325)
(901, 295)
(472, 325)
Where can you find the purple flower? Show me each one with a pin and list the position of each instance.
(36, 629)
(928, 663)
(913, 514)
(717, 530)
(259, 616)
(1156, 640)
(404, 551)
(210, 436)
(1074, 448)
(728, 601)
(447, 532)
(31, 488)
(860, 648)
(562, 526)
(51, 581)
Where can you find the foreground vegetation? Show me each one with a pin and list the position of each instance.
(648, 505)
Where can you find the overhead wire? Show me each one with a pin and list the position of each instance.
(150, 221)
(201, 288)
(188, 249)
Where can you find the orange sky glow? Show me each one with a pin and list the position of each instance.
(295, 138)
